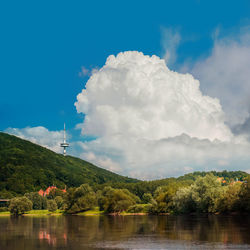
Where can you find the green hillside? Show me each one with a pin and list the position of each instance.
(26, 167)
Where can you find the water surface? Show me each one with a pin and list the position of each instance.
(125, 232)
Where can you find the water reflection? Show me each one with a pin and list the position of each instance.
(125, 232)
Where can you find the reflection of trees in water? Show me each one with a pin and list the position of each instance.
(211, 228)
(76, 232)
(26, 233)
(52, 231)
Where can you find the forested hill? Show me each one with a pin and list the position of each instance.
(27, 167)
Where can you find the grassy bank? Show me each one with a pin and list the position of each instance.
(36, 212)
(94, 212)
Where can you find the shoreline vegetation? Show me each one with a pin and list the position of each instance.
(206, 194)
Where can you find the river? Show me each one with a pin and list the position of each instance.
(125, 232)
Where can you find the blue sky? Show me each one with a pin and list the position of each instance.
(45, 44)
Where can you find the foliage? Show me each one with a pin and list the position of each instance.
(203, 196)
(54, 193)
(51, 205)
(147, 198)
(116, 200)
(80, 199)
(26, 167)
(20, 205)
(39, 202)
(231, 199)
(229, 176)
(206, 193)
(183, 201)
(4, 194)
(59, 202)
(4, 209)
(245, 196)
(140, 208)
(140, 188)
(163, 198)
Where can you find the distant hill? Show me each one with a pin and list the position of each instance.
(26, 167)
(227, 175)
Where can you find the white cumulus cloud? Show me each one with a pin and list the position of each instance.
(151, 122)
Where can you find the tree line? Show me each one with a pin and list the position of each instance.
(203, 194)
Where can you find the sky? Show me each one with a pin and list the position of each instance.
(147, 89)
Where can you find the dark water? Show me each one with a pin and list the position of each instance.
(125, 232)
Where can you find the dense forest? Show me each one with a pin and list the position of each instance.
(26, 167)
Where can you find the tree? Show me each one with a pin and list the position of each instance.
(206, 193)
(117, 200)
(54, 193)
(39, 202)
(20, 205)
(164, 198)
(231, 198)
(51, 205)
(147, 198)
(245, 196)
(204, 196)
(60, 202)
(183, 202)
(80, 199)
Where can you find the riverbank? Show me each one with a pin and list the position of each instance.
(61, 212)
(36, 213)
(96, 212)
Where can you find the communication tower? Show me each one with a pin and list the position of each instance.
(64, 145)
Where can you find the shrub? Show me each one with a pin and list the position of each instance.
(20, 205)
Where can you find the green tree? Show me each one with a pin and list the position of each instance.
(207, 192)
(231, 198)
(51, 205)
(183, 202)
(164, 198)
(80, 199)
(60, 202)
(245, 196)
(54, 193)
(20, 205)
(39, 202)
(204, 196)
(147, 198)
(117, 200)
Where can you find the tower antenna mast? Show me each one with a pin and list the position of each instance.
(64, 145)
